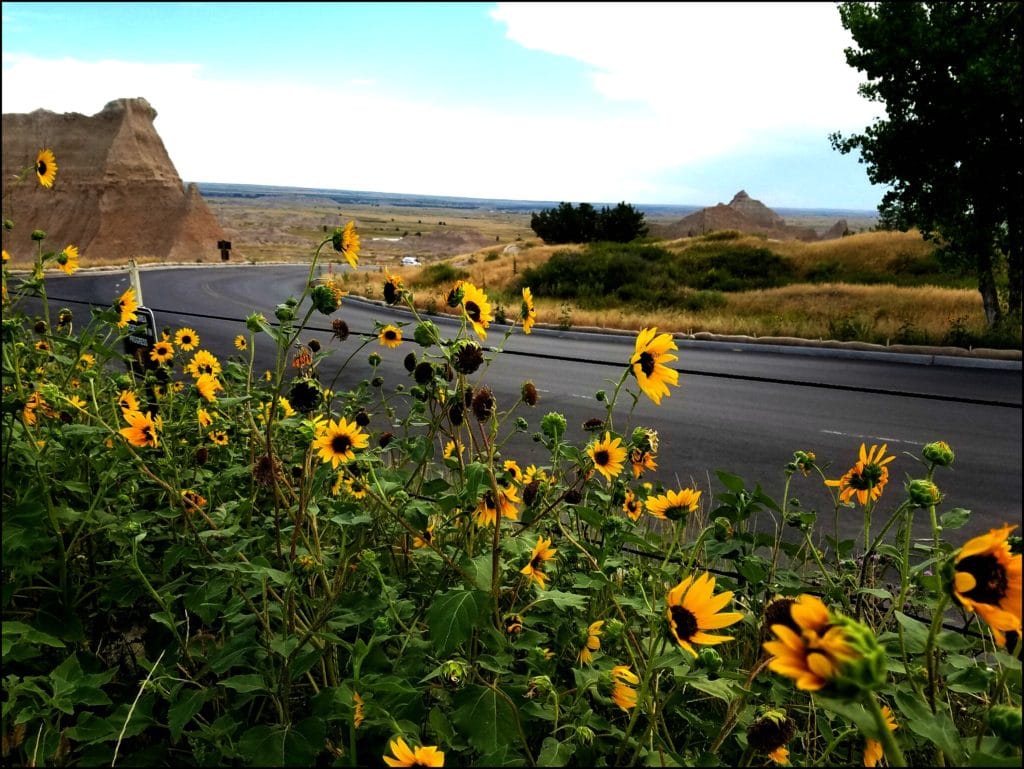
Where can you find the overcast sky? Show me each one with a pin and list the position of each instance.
(583, 102)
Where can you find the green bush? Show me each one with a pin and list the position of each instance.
(439, 273)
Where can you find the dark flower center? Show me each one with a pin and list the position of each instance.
(778, 613)
(990, 576)
(147, 433)
(536, 562)
(646, 363)
(683, 622)
(390, 335)
(601, 458)
(340, 444)
(473, 311)
(41, 168)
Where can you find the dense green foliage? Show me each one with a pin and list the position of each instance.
(951, 147)
(566, 224)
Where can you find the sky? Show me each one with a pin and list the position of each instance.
(648, 103)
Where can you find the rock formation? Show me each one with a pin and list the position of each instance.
(745, 214)
(117, 195)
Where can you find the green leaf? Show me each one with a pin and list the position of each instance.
(720, 688)
(184, 710)
(937, 728)
(283, 745)
(250, 682)
(452, 617)
(563, 600)
(485, 718)
(732, 482)
(555, 753)
(988, 760)
(876, 592)
(915, 633)
(955, 518)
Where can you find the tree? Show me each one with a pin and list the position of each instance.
(567, 224)
(950, 146)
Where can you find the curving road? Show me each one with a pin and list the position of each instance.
(741, 408)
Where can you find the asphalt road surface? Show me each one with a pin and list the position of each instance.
(739, 408)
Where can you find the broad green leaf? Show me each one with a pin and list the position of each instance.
(720, 687)
(189, 702)
(937, 728)
(249, 682)
(452, 617)
(915, 633)
(555, 753)
(283, 745)
(563, 600)
(955, 518)
(485, 718)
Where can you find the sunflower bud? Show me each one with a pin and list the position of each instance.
(584, 735)
(409, 361)
(709, 659)
(425, 333)
(64, 317)
(374, 359)
(254, 321)
(284, 313)
(613, 629)
(305, 564)
(38, 235)
(361, 418)
(382, 624)
(938, 453)
(454, 672)
(864, 669)
(1005, 722)
(455, 296)
(723, 528)
(553, 425)
(923, 493)
(325, 299)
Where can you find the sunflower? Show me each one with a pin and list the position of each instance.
(240, 343)
(162, 352)
(392, 288)
(987, 581)
(866, 479)
(592, 642)
(542, 552)
(487, 511)
(623, 692)
(346, 242)
(632, 506)
(192, 500)
(127, 401)
(873, 748)
(608, 456)
(67, 260)
(207, 385)
(187, 339)
(219, 437)
(813, 657)
(426, 539)
(533, 473)
(390, 336)
(355, 488)
(86, 361)
(203, 362)
(406, 756)
(451, 450)
(141, 430)
(357, 710)
(477, 308)
(642, 461)
(126, 306)
(46, 168)
(6, 256)
(693, 609)
(528, 312)
(648, 364)
(673, 505)
(511, 468)
(337, 441)
(204, 417)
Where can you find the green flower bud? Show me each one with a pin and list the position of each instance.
(38, 235)
(938, 453)
(325, 299)
(613, 630)
(253, 322)
(709, 659)
(284, 313)
(454, 672)
(723, 528)
(382, 624)
(305, 564)
(923, 493)
(864, 670)
(522, 425)
(1005, 722)
(425, 333)
(374, 359)
(553, 425)
(8, 225)
(584, 735)
(600, 395)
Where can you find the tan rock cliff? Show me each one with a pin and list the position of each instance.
(117, 195)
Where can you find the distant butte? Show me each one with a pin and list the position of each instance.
(744, 214)
(117, 194)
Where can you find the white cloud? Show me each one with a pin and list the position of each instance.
(718, 74)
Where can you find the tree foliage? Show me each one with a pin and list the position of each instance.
(949, 76)
(566, 224)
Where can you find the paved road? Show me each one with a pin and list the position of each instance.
(741, 408)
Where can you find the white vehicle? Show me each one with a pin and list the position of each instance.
(410, 261)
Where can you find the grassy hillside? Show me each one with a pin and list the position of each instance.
(879, 287)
